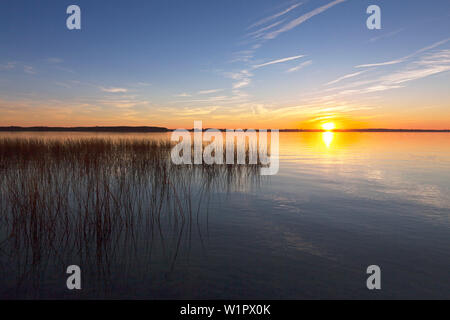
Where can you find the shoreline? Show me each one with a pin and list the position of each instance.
(151, 129)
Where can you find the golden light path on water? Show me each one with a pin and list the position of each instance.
(328, 135)
(327, 138)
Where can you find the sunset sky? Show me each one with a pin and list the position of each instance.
(248, 63)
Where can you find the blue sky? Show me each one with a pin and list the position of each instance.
(229, 63)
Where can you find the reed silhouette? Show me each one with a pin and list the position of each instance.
(100, 202)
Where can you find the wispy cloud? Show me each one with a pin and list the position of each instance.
(183, 95)
(61, 68)
(350, 75)
(377, 88)
(209, 99)
(386, 63)
(298, 21)
(260, 32)
(277, 61)
(114, 90)
(29, 70)
(8, 66)
(209, 91)
(269, 28)
(434, 45)
(241, 84)
(63, 84)
(143, 84)
(57, 63)
(122, 101)
(54, 60)
(300, 66)
(243, 56)
(241, 78)
(188, 112)
(428, 65)
(386, 35)
(277, 15)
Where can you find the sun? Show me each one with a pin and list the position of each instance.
(328, 126)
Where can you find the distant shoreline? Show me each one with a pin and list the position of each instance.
(145, 129)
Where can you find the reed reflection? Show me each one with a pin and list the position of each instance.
(102, 204)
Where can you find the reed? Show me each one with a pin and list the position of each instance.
(96, 199)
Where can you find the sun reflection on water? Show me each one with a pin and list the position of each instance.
(327, 138)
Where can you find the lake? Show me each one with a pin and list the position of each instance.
(340, 203)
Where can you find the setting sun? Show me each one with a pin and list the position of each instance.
(328, 126)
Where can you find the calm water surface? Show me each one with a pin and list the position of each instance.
(340, 202)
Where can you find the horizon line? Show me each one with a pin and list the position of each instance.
(144, 129)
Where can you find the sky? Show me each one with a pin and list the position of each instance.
(231, 64)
